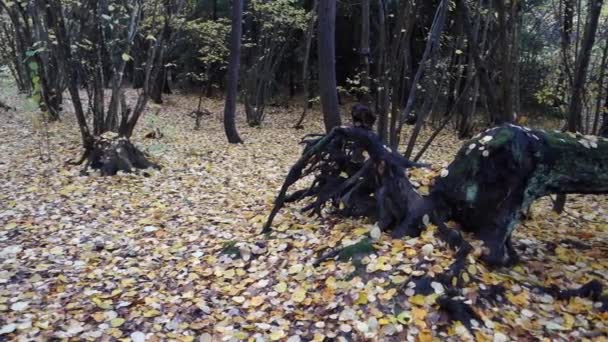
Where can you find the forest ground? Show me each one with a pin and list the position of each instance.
(133, 256)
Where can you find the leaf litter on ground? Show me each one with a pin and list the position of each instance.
(178, 255)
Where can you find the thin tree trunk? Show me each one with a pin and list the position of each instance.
(327, 64)
(580, 78)
(582, 65)
(430, 50)
(600, 89)
(65, 55)
(233, 73)
(365, 51)
(305, 78)
(381, 76)
(506, 63)
(484, 77)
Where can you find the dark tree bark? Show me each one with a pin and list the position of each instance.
(233, 73)
(481, 66)
(506, 113)
(365, 52)
(399, 62)
(382, 95)
(305, 65)
(582, 65)
(327, 63)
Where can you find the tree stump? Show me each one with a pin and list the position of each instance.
(5, 107)
(110, 153)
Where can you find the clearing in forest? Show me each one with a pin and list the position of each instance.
(178, 254)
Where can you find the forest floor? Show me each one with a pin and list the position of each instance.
(178, 255)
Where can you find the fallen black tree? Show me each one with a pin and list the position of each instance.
(111, 153)
(493, 179)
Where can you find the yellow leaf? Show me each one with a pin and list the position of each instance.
(239, 335)
(425, 336)
(116, 322)
(418, 300)
(398, 279)
(362, 299)
(361, 231)
(151, 313)
(102, 304)
(331, 282)
(257, 301)
(277, 335)
(568, 321)
(481, 337)
(299, 295)
(419, 315)
(388, 294)
(99, 317)
(229, 274)
(280, 287)
(521, 299)
(405, 317)
(472, 269)
(296, 269)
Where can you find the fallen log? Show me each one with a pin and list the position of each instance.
(492, 180)
(495, 178)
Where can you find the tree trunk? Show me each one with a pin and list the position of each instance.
(429, 54)
(600, 89)
(305, 78)
(484, 77)
(564, 81)
(365, 52)
(327, 64)
(233, 73)
(382, 98)
(580, 78)
(506, 114)
(582, 65)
